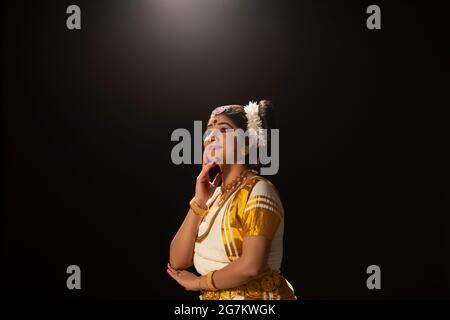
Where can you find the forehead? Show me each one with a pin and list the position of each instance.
(219, 118)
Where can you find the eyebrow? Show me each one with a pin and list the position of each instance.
(224, 122)
(220, 123)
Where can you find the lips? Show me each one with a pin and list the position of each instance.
(212, 152)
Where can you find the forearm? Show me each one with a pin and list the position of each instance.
(182, 245)
(250, 264)
(237, 273)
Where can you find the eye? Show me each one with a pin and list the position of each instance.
(226, 130)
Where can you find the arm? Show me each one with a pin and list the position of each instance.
(253, 262)
(182, 245)
(260, 221)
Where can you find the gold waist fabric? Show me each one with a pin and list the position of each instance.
(267, 286)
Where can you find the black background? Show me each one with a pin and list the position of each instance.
(88, 114)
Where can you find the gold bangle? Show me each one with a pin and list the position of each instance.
(197, 209)
(210, 281)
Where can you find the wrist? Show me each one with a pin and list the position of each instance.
(202, 284)
(198, 209)
(201, 203)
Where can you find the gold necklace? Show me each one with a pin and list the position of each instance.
(223, 198)
(230, 187)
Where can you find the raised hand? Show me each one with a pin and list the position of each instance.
(204, 188)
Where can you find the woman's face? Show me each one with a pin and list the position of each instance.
(218, 139)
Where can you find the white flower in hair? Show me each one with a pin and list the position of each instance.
(254, 124)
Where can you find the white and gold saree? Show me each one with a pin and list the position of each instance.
(253, 209)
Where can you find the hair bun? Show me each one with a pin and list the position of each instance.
(265, 104)
(266, 113)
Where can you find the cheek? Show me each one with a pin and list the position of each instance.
(228, 145)
(229, 150)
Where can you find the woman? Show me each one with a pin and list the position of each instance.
(233, 234)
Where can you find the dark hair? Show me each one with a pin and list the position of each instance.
(266, 112)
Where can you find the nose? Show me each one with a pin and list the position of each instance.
(209, 138)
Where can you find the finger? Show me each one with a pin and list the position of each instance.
(209, 166)
(171, 268)
(174, 276)
(206, 158)
(170, 273)
(206, 168)
(217, 179)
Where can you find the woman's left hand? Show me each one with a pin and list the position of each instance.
(185, 278)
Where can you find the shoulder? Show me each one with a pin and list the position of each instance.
(258, 191)
(265, 193)
(264, 186)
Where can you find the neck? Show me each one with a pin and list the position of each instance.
(231, 172)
